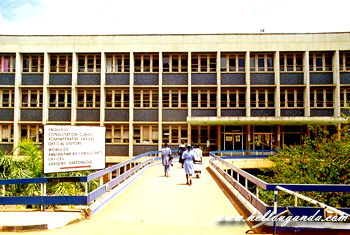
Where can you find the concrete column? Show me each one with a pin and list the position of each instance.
(336, 82)
(218, 95)
(247, 80)
(17, 102)
(74, 89)
(131, 105)
(278, 84)
(160, 101)
(307, 83)
(46, 77)
(189, 96)
(102, 90)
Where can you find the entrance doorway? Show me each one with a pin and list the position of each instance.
(264, 141)
(233, 141)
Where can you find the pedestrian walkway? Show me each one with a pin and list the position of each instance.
(155, 204)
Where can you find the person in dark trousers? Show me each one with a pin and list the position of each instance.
(166, 159)
(182, 149)
(188, 156)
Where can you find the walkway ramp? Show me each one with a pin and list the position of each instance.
(155, 204)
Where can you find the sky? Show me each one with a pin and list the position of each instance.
(91, 17)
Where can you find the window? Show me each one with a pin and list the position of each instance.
(291, 62)
(7, 98)
(146, 98)
(232, 62)
(204, 63)
(89, 63)
(233, 98)
(345, 97)
(89, 98)
(344, 61)
(32, 98)
(145, 134)
(320, 62)
(261, 62)
(147, 63)
(175, 63)
(117, 134)
(6, 132)
(60, 98)
(262, 98)
(33, 132)
(173, 134)
(174, 98)
(203, 98)
(321, 98)
(118, 63)
(292, 98)
(118, 98)
(33, 63)
(201, 134)
(7, 63)
(61, 63)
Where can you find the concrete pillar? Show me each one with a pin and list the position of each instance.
(46, 78)
(160, 101)
(17, 101)
(307, 83)
(131, 105)
(336, 82)
(102, 90)
(247, 74)
(277, 83)
(218, 76)
(74, 90)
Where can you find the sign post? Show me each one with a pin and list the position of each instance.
(73, 148)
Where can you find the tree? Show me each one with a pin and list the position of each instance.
(323, 159)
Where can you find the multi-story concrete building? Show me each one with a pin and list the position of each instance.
(225, 91)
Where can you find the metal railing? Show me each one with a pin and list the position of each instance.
(108, 179)
(240, 180)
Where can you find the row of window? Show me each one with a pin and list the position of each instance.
(177, 98)
(174, 63)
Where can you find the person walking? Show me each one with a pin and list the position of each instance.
(166, 159)
(188, 156)
(182, 149)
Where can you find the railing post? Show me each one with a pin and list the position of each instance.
(101, 181)
(43, 193)
(295, 201)
(257, 191)
(275, 211)
(3, 190)
(246, 183)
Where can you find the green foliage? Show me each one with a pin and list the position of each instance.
(29, 165)
(323, 159)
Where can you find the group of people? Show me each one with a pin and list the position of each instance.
(186, 158)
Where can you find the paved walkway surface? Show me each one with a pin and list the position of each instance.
(153, 204)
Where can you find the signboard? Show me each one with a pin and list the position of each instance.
(73, 148)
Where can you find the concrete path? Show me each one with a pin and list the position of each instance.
(155, 204)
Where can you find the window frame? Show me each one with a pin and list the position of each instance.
(324, 103)
(238, 103)
(295, 92)
(124, 134)
(124, 101)
(201, 93)
(225, 62)
(11, 63)
(171, 104)
(29, 92)
(146, 63)
(10, 133)
(265, 93)
(57, 67)
(143, 103)
(169, 137)
(67, 103)
(95, 103)
(32, 67)
(92, 63)
(344, 61)
(139, 136)
(256, 58)
(203, 63)
(314, 57)
(182, 63)
(11, 98)
(30, 129)
(112, 65)
(285, 66)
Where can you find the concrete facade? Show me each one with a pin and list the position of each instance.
(219, 91)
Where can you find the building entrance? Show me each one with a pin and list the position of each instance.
(233, 141)
(263, 141)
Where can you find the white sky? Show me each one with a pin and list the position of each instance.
(74, 17)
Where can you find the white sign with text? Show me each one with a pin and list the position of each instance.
(73, 148)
